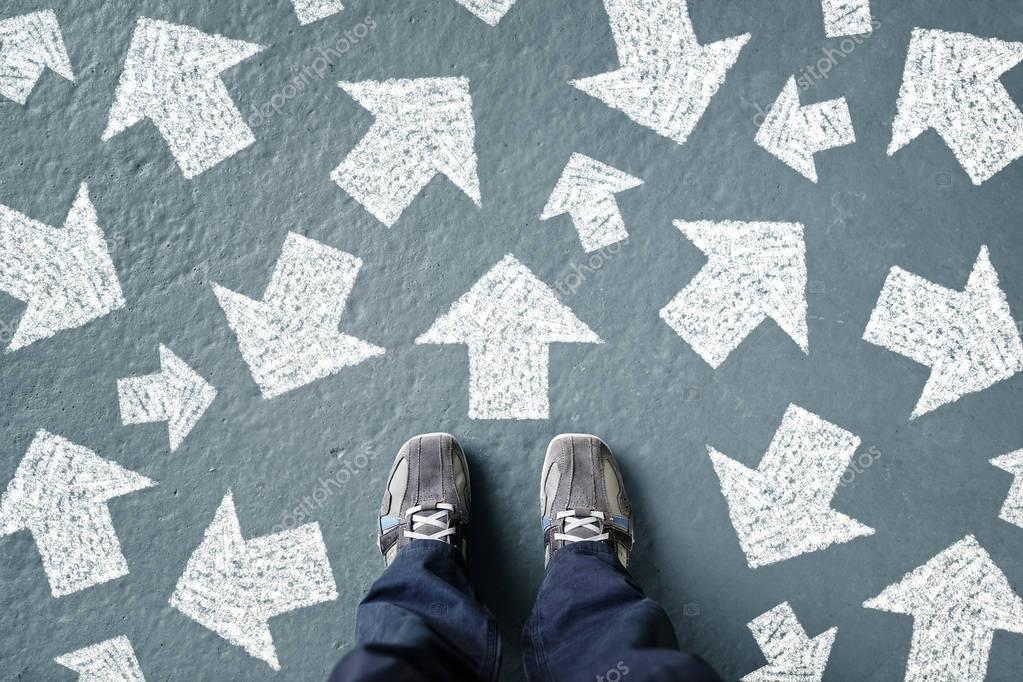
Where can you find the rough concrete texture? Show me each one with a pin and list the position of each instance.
(922, 484)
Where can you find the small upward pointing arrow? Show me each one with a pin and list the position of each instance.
(968, 338)
(957, 599)
(1012, 510)
(176, 395)
(794, 133)
(59, 494)
(508, 319)
(951, 83)
(64, 275)
(782, 509)
(791, 655)
(423, 127)
(112, 660)
(28, 44)
(291, 337)
(234, 586)
(586, 191)
(172, 76)
(490, 11)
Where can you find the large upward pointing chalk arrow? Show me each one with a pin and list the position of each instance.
(951, 84)
(957, 599)
(28, 44)
(234, 586)
(172, 76)
(968, 338)
(59, 493)
(64, 275)
(112, 660)
(782, 509)
(423, 127)
(291, 337)
(666, 79)
(791, 655)
(755, 271)
(508, 319)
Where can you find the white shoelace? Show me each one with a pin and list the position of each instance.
(440, 518)
(588, 522)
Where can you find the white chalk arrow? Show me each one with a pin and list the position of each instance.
(782, 509)
(176, 395)
(59, 493)
(968, 338)
(755, 271)
(30, 43)
(794, 133)
(951, 83)
(172, 76)
(309, 11)
(490, 11)
(508, 319)
(112, 660)
(422, 127)
(586, 191)
(64, 275)
(291, 338)
(791, 655)
(1012, 510)
(666, 79)
(234, 586)
(957, 599)
(846, 17)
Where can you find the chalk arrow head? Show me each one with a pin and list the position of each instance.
(490, 11)
(112, 660)
(309, 11)
(1012, 510)
(30, 43)
(791, 655)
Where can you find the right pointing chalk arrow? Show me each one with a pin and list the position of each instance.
(30, 43)
(791, 655)
(112, 660)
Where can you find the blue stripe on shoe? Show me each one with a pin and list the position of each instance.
(545, 522)
(388, 522)
(620, 522)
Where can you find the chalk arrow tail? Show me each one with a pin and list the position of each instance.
(1012, 510)
(792, 656)
(846, 17)
(30, 43)
(112, 660)
(309, 11)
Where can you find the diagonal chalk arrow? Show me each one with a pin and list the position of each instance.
(290, 338)
(30, 43)
(309, 11)
(1012, 510)
(968, 338)
(755, 271)
(951, 83)
(782, 509)
(586, 191)
(64, 275)
(59, 493)
(112, 660)
(423, 127)
(957, 599)
(490, 11)
(508, 319)
(176, 395)
(172, 76)
(666, 79)
(234, 586)
(791, 655)
(794, 133)
(846, 18)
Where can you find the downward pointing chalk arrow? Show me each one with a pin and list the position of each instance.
(794, 133)
(112, 660)
(756, 271)
(508, 319)
(586, 191)
(423, 127)
(968, 338)
(28, 44)
(309, 11)
(666, 79)
(846, 17)
(59, 494)
(172, 76)
(176, 395)
(782, 509)
(951, 84)
(1012, 510)
(490, 11)
(957, 599)
(291, 337)
(64, 275)
(234, 586)
(791, 655)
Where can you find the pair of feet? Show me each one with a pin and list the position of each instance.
(582, 498)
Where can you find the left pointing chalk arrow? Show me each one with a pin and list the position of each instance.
(176, 395)
(64, 275)
(172, 76)
(59, 493)
(28, 44)
(112, 660)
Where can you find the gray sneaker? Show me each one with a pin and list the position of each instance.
(427, 496)
(582, 498)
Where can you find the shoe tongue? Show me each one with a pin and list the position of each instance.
(430, 529)
(581, 531)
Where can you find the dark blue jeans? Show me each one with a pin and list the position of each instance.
(421, 622)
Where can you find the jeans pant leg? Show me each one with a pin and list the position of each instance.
(421, 621)
(592, 623)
